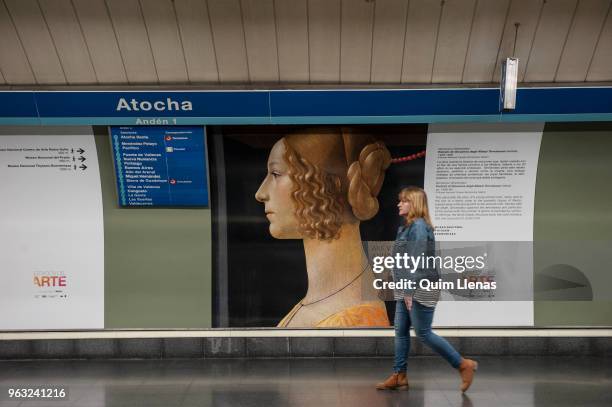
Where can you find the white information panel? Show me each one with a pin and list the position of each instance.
(52, 234)
(480, 181)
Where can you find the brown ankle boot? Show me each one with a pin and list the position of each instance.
(466, 370)
(395, 381)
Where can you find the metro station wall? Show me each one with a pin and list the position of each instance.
(157, 260)
(154, 275)
(266, 276)
(160, 265)
(573, 224)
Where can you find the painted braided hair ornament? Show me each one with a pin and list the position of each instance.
(337, 175)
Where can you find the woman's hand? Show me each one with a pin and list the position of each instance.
(408, 302)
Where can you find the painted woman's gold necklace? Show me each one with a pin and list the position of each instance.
(301, 303)
(340, 289)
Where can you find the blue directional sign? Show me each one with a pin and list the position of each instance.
(160, 165)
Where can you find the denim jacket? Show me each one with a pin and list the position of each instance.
(415, 240)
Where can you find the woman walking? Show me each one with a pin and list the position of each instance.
(416, 306)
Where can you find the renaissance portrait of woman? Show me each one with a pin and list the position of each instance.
(321, 183)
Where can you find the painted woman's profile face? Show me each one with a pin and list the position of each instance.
(275, 193)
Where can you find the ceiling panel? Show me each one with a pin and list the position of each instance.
(324, 40)
(133, 39)
(486, 35)
(101, 41)
(420, 41)
(388, 40)
(68, 37)
(166, 45)
(13, 61)
(260, 36)
(197, 40)
(549, 40)
(292, 40)
(127, 42)
(453, 39)
(582, 39)
(356, 41)
(601, 66)
(228, 35)
(37, 41)
(527, 14)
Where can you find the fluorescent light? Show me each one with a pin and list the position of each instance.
(509, 80)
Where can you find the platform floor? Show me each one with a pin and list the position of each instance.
(500, 381)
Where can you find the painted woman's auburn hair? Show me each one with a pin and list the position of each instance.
(419, 207)
(323, 195)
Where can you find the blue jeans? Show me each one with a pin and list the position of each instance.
(421, 317)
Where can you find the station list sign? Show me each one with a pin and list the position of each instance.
(160, 165)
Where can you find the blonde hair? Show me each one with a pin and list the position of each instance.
(418, 207)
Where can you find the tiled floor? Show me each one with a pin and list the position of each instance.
(500, 381)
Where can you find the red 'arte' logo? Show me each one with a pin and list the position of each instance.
(50, 281)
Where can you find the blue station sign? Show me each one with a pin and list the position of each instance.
(343, 106)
